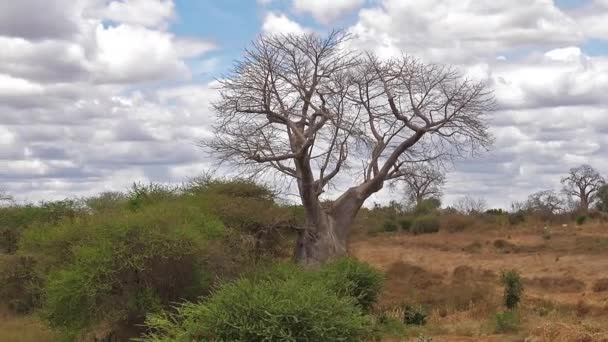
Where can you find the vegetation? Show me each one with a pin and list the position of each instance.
(296, 306)
(513, 288)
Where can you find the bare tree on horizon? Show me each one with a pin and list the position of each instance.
(311, 108)
(583, 182)
(423, 182)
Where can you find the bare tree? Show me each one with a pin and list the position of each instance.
(5, 197)
(311, 108)
(423, 182)
(545, 203)
(583, 182)
(470, 205)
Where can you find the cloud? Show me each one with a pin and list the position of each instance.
(94, 105)
(35, 19)
(458, 31)
(327, 11)
(278, 23)
(148, 13)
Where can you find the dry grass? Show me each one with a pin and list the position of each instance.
(23, 329)
(454, 276)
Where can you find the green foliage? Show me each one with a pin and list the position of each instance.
(602, 197)
(19, 283)
(15, 219)
(250, 208)
(145, 194)
(427, 207)
(506, 322)
(295, 306)
(351, 278)
(425, 224)
(414, 315)
(580, 219)
(513, 288)
(117, 266)
(405, 224)
(389, 226)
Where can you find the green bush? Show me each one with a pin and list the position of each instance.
(428, 206)
(405, 224)
(283, 309)
(425, 224)
(414, 315)
(19, 283)
(348, 277)
(506, 322)
(513, 288)
(119, 266)
(389, 226)
(580, 219)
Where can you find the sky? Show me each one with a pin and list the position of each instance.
(98, 94)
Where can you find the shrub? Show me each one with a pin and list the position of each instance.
(580, 219)
(414, 315)
(405, 224)
(427, 207)
(116, 267)
(456, 222)
(348, 277)
(425, 224)
(291, 309)
(389, 226)
(19, 283)
(513, 288)
(517, 217)
(506, 322)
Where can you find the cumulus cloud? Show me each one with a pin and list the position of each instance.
(458, 31)
(327, 11)
(279, 23)
(85, 103)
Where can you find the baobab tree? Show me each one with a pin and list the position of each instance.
(423, 182)
(583, 182)
(309, 107)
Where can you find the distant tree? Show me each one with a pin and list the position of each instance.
(546, 203)
(583, 183)
(311, 107)
(602, 198)
(470, 205)
(423, 182)
(5, 197)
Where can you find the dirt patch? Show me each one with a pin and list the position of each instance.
(507, 247)
(562, 332)
(556, 284)
(600, 285)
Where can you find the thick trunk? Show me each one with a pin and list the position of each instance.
(327, 235)
(321, 244)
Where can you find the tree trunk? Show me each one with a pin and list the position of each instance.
(326, 237)
(322, 244)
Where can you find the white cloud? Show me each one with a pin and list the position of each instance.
(327, 11)
(149, 13)
(458, 31)
(280, 24)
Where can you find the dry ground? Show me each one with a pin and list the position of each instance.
(456, 277)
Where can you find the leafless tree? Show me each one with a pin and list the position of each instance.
(583, 183)
(5, 197)
(423, 182)
(545, 203)
(311, 109)
(470, 205)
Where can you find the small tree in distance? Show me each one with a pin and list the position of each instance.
(423, 182)
(583, 183)
(311, 108)
(469, 205)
